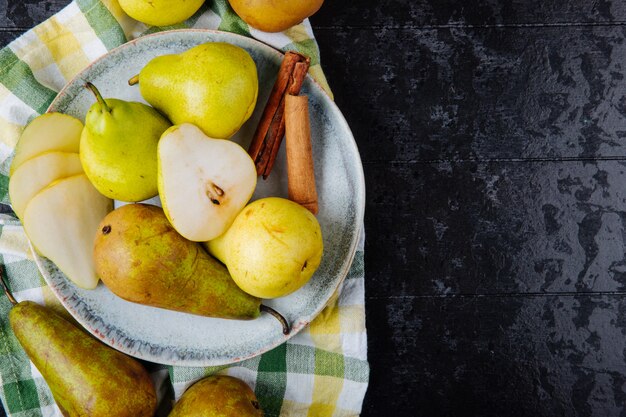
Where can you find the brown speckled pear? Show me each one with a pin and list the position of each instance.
(86, 377)
(218, 396)
(141, 258)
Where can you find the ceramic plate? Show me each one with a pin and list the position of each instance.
(169, 337)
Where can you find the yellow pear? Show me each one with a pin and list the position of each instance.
(272, 248)
(213, 86)
(160, 12)
(275, 15)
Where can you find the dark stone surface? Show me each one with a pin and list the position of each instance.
(24, 14)
(489, 93)
(392, 14)
(497, 356)
(495, 227)
(493, 139)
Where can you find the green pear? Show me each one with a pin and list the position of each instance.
(140, 257)
(218, 396)
(118, 147)
(272, 248)
(86, 377)
(212, 85)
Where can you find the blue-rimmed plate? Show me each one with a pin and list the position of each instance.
(170, 337)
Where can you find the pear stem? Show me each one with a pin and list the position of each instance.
(278, 317)
(134, 80)
(96, 93)
(5, 287)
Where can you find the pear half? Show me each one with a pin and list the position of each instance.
(203, 182)
(61, 222)
(45, 133)
(35, 174)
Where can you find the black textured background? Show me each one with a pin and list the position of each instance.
(493, 137)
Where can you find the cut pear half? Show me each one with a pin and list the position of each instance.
(45, 133)
(35, 174)
(203, 182)
(61, 222)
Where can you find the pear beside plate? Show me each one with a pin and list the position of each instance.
(175, 338)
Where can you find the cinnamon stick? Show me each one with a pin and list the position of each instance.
(300, 167)
(271, 128)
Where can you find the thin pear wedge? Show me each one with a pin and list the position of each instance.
(61, 222)
(45, 133)
(37, 173)
(86, 377)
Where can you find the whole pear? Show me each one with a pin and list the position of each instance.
(160, 12)
(86, 377)
(140, 257)
(118, 147)
(272, 248)
(218, 396)
(213, 86)
(275, 15)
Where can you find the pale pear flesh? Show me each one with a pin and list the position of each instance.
(203, 182)
(45, 133)
(35, 174)
(61, 222)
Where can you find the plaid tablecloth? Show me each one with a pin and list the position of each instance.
(323, 371)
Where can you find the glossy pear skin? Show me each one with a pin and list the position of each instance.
(140, 257)
(160, 12)
(86, 377)
(275, 15)
(213, 86)
(118, 149)
(218, 396)
(272, 248)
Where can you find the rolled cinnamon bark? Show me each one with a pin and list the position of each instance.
(271, 128)
(300, 167)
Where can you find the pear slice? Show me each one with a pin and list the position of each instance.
(203, 182)
(61, 222)
(45, 133)
(35, 174)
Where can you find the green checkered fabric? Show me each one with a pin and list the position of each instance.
(322, 371)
